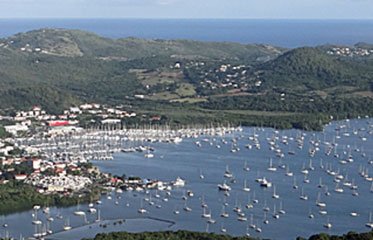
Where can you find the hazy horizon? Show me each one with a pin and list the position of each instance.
(191, 9)
(284, 33)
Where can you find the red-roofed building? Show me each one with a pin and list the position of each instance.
(58, 123)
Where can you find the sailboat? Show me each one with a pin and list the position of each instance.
(354, 214)
(59, 215)
(203, 203)
(295, 186)
(255, 200)
(237, 207)
(245, 187)
(210, 219)
(176, 211)
(246, 167)
(48, 229)
(326, 191)
(66, 226)
(355, 193)
(98, 219)
(224, 214)
(224, 187)
(206, 214)
(141, 210)
(369, 224)
(303, 196)
(35, 220)
(201, 176)
(271, 168)
(321, 164)
(304, 170)
(49, 218)
(37, 233)
(310, 214)
(222, 228)
(320, 183)
(328, 224)
(186, 208)
(275, 215)
(306, 179)
(310, 167)
(249, 204)
(241, 217)
(5, 225)
(252, 225)
(258, 229)
(281, 210)
(288, 172)
(319, 203)
(148, 153)
(338, 189)
(78, 212)
(275, 195)
(265, 207)
(228, 173)
(265, 221)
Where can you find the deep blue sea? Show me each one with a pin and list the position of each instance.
(285, 33)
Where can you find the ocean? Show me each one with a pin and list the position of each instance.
(283, 33)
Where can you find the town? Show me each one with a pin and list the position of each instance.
(52, 153)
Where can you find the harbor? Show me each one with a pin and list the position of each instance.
(255, 182)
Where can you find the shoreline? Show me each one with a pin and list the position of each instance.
(103, 192)
(107, 222)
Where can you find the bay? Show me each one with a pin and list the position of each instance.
(188, 161)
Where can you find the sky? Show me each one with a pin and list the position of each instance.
(225, 9)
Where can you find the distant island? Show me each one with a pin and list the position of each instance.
(186, 82)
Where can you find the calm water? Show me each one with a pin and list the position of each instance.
(187, 160)
(286, 33)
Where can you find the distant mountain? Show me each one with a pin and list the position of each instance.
(76, 43)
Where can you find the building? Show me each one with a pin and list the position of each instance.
(13, 129)
(20, 177)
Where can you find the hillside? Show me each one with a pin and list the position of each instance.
(76, 43)
(312, 69)
(215, 82)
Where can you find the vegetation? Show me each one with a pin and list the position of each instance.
(183, 81)
(348, 236)
(179, 235)
(16, 197)
(3, 133)
(207, 236)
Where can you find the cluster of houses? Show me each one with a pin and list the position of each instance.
(59, 184)
(349, 52)
(24, 163)
(47, 176)
(23, 120)
(225, 76)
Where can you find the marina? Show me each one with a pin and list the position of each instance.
(250, 181)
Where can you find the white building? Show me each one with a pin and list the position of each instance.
(13, 129)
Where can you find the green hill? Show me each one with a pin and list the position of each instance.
(75, 43)
(215, 81)
(312, 69)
